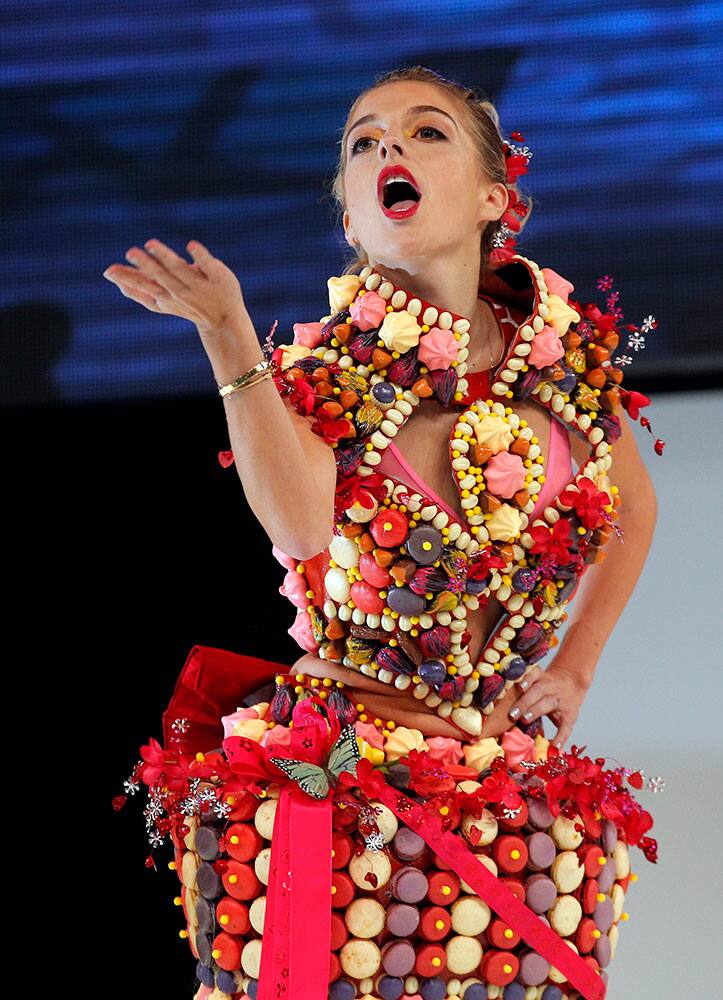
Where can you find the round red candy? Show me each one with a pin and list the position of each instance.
(500, 935)
(589, 895)
(372, 572)
(341, 848)
(339, 932)
(443, 888)
(244, 807)
(510, 853)
(594, 861)
(431, 960)
(516, 821)
(515, 886)
(389, 528)
(334, 967)
(243, 841)
(500, 967)
(342, 890)
(586, 935)
(229, 951)
(434, 923)
(232, 915)
(239, 880)
(367, 598)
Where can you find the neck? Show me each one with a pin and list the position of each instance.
(450, 283)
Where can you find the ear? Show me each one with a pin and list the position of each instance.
(493, 202)
(348, 231)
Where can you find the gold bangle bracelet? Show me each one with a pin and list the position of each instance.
(253, 375)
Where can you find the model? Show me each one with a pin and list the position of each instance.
(433, 463)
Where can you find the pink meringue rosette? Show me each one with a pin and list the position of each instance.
(370, 734)
(308, 334)
(279, 736)
(505, 474)
(546, 348)
(368, 311)
(556, 284)
(294, 588)
(446, 749)
(302, 633)
(517, 746)
(438, 349)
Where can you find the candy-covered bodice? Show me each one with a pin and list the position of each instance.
(392, 594)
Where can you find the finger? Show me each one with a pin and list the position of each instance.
(532, 675)
(529, 697)
(378, 706)
(145, 300)
(543, 706)
(564, 731)
(170, 260)
(203, 257)
(155, 269)
(132, 277)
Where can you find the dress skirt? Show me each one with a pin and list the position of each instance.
(320, 857)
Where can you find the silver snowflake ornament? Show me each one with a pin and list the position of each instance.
(656, 784)
(374, 841)
(180, 726)
(648, 324)
(636, 342)
(624, 359)
(130, 786)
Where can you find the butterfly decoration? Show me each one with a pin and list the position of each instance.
(315, 779)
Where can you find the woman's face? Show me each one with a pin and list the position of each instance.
(457, 200)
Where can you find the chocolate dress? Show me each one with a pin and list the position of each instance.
(368, 859)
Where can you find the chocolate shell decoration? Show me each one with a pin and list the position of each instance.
(392, 658)
(429, 578)
(282, 704)
(526, 637)
(434, 643)
(452, 689)
(342, 706)
(362, 344)
(405, 370)
(610, 426)
(489, 689)
(524, 386)
(444, 382)
(349, 455)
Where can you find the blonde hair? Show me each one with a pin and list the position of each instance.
(483, 124)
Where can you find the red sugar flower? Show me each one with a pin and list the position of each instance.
(554, 541)
(588, 503)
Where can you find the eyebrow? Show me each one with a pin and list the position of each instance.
(415, 110)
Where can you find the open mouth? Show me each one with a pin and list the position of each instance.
(399, 197)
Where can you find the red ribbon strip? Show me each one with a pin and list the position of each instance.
(297, 921)
(453, 850)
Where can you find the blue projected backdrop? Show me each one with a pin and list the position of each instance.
(219, 121)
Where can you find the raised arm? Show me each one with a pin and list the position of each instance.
(287, 472)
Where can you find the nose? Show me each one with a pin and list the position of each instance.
(387, 144)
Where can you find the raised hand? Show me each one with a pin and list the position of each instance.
(205, 292)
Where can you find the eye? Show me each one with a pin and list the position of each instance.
(422, 128)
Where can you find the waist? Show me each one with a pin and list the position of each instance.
(385, 703)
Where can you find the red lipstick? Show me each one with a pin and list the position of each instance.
(397, 171)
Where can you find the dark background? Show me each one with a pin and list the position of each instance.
(219, 121)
